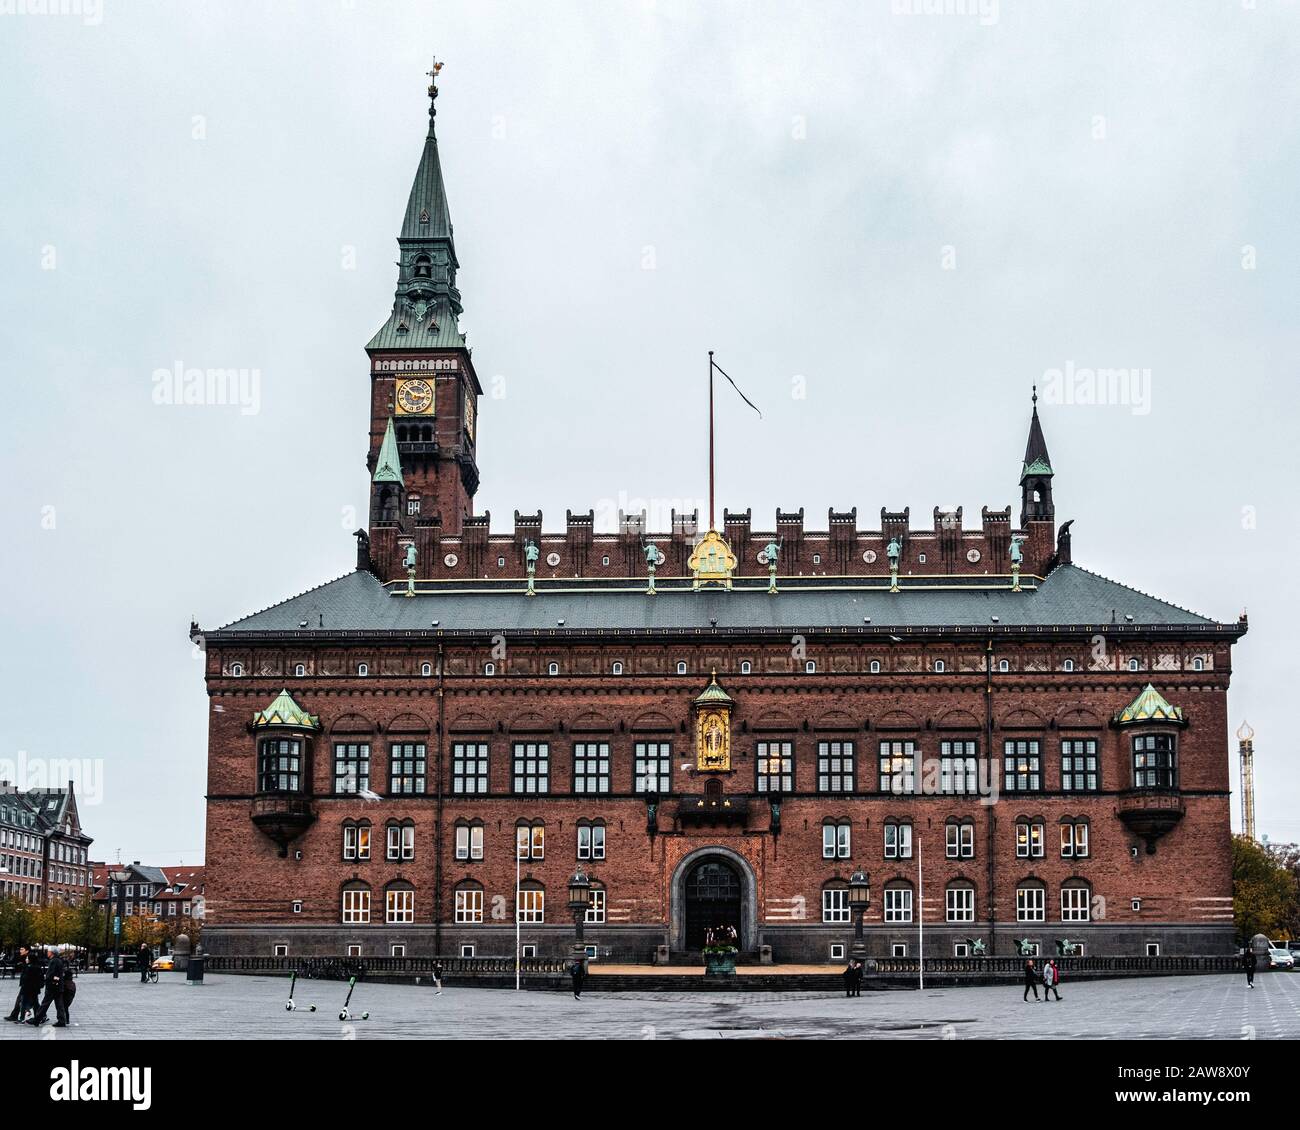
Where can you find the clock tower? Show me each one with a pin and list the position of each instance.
(424, 392)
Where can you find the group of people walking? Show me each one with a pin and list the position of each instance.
(1049, 978)
(853, 978)
(55, 975)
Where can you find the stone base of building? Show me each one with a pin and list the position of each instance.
(641, 945)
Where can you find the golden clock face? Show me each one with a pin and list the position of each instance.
(414, 397)
(469, 414)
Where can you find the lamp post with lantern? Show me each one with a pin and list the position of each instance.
(859, 900)
(579, 901)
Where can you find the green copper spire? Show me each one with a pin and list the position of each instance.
(283, 711)
(1037, 461)
(388, 467)
(1149, 706)
(427, 304)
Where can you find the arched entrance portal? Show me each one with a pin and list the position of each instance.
(712, 900)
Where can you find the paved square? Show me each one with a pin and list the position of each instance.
(230, 1007)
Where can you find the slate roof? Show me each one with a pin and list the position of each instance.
(441, 331)
(1069, 597)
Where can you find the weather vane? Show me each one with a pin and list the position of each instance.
(433, 73)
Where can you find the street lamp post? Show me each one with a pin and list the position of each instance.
(579, 901)
(859, 900)
(120, 878)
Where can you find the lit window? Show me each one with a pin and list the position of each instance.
(406, 768)
(400, 906)
(532, 906)
(775, 767)
(530, 841)
(897, 767)
(356, 905)
(1029, 840)
(1022, 765)
(595, 911)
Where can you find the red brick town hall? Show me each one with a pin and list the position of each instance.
(755, 725)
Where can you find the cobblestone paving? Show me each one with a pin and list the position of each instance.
(227, 1007)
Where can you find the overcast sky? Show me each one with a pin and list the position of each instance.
(888, 224)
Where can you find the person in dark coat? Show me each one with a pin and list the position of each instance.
(848, 979)
(858, 970)
(1031, 979)
(578, 974)
(54, 975)
(1249, 962)
(144, 956)
(33, 978)
(21, 960)
(437, 977)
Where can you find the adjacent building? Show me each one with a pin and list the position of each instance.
(716, 724)
(43, 851)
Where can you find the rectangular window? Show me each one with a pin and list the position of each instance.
(469, 768)
(836, 839)
(351, 767)
(591, 767)
(958, 768)
(1074, 904)
(835, 767)
(532, 906)
(1079, 766)
(898, 904)
(1074, 841)
(591, 841)
(835, 904)
(960, 841)
(469, 904)
(898, 841)
(356, 841)
(1022, 766)
(961, 904)
(532, 768)
(652, 768)
(469, 841)
(596, 908)
(401, 906)
(898, 767)
(530, 841)
(1154, 764)
(281, 765)
(1030, 904)
(406, 765)
(775, 767)
(356, 906)
(1029, 841)
(401, 841)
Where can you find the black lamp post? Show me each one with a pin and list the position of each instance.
(579, 900)
(120, 878)
(859, 900)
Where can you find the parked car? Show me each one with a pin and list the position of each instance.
(165, 964)
(127, 962)
(1280, 959)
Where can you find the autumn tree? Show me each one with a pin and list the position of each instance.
(1263, 891)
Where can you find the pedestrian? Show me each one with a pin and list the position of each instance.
(437, 977)
(1051, 978)
(858, 970)
(848, 979)
(144, 956)
(54, 971)
(32, 979)
(69, 992)
(579, 975)
(1031, 979)
(1249, 961)
(21, 959)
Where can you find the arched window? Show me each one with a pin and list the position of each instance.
(874, 667)
(591, 839)
(1068, 665)
(617, 669)
(898, 839)
(810, 667)
(552, 668)
(1074, 838)
(469, 840)
(300, 669)
(356, 904)
(898, 902)
(596, 907)
(532, 903)
(1029, 837)
(746, 667)
(530, 839)
(469, 903)
(940, 666)
(490, 669)
(1198, 664)
(959, 902)
(835, 902)
(681, 667)
(426, 669)
(836, 839)
(1076, 901)
(399, 903)
(959, 839)
(356, 839)
(1031, 901)
(1003, 665)
(236, 670)
(1132, 664)
(363, 669)
(400, 840)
